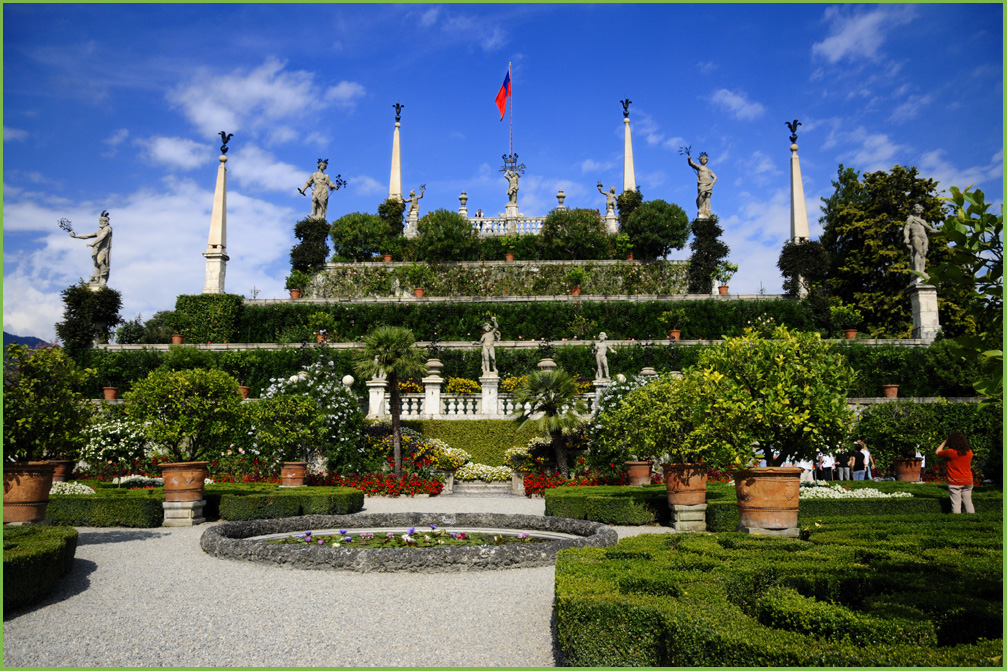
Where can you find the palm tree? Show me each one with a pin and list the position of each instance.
(388, 351)
(553, 395)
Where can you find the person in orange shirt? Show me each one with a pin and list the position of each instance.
(959, 458)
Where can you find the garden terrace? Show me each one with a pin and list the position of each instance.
(904, 590)
(234, 540)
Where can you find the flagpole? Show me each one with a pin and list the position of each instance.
(510, 76)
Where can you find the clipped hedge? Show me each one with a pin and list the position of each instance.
(34, 559)
(291, 503)
(851, 594)
(137, 508)
(485, 440)
(208, 317)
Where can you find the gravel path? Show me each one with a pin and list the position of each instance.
(151, 597)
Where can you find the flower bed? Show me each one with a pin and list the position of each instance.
(836, 491)
(379, 484)
(408, 539)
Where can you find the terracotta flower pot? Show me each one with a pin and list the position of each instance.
(418, 292)
(319, 337)
(575, 291)
(851, 334)
(183, 480)
(686, 484)
(244, 391)
(768, 498)
(292, 473)
(176, 338)
(388, 258)
(723, 289)
(26, 488)
(674, 334)
(639, 473)
(509, 257)
(111, 393)
(62, 469)
(629, 257)
(907, 469)
(295, 293)
(890, 390)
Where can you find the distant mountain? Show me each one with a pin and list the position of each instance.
(30, 341)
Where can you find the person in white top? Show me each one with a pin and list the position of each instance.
(807, 470)
(868, 462)
(826, 462)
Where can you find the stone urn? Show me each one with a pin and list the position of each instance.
(62, 469)
(292, 473)
(638, 472)
(184, 480)
(111, 393)
(767, 500)
(685, 483)
(26, 488)
(907, 469)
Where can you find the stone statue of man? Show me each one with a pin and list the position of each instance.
(512, 178)
(488, 341)
(915, 235)
(705, 179)
(414, 201)
(601, 356)
(101, 249)
(320, 195)
(609, 199)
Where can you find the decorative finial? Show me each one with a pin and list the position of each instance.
(225, 138)
(625, 107)
(510, 163)
(793, 129)
(398, 112)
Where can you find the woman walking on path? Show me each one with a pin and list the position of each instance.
(959, 458)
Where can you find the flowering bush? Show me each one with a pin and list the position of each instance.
(509, 384)
(285, 427)
(519, 458)
(410, 386)
(536, 483)
(379, 484)
(118, 441)
(461, 385)
(442, 455)
(473, 471)
(342, 419)
(69, 488)
(840, 492)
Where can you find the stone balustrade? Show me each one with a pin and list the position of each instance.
(495, 226)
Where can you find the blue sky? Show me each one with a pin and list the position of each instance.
(118, 107)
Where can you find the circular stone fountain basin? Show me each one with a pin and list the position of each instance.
(246, 541)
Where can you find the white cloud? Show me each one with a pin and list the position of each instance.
(934, 165)
(911, 108)
(859, 34)
(14, 134)
(706, 67)
(367, 186)
(590, 166)
(255, 168)
(876, 151)
(429, 17)
(177, 152)
(737, 104)
(345, 94)
(758, 169)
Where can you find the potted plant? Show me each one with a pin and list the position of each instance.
(673, 319)
(297, 282)
(417, 275)
(286, 426)
(780, 399)
(44, 418)
(624, 246)
(191, 414)
(847, 317)
(509, 243)
(322, 325)
(176, 323)
(895, 433)
(724, 272)
(576, 278)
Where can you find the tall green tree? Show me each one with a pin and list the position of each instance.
(311, 253)
(388, 352)
(551, 394)
(446, 236)
(862, 225)
(655, 228)
(572, 235)
(358, 236)
(89, 317)
(708, 250)
(627, 202)
(391, 211)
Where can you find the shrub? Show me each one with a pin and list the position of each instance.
(628, 201)
(577, 234)
(191, 413)
(209, 317)
(34, 559)
(473, 471)
(291, 503)
(655, 228)
(115, 440)
(134, 508)
(130, 332)
(803, 262)
(359, 236)
(311, 253)
(44, 414)
(446, 236)
(707, 252)
(285, 427)
(391, 211)
(461, 385)
(89, 317)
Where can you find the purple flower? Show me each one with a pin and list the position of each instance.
(411, 531)
(342, 531)
(433, 527)
(453, 535)
(321, 541)
(347, 539)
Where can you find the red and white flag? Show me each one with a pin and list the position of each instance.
(503, 94)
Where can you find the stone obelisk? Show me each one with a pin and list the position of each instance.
(395, 182)
(216, 248)
(798, 209)
(628, 174)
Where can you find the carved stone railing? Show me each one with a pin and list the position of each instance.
(494, 226)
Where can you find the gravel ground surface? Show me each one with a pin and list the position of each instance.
(151, 597)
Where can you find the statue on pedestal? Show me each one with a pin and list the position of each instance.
(488, 341)
(512, 179)
(101, 249)
(414, 202)
(601, 357)
(609, 200)
(915, 235)
(322, 184)
(705, 179)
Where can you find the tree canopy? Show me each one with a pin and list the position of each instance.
(708, 250)
(655, 228)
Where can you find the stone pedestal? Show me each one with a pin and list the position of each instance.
(491, 398)
(183, 513)
(688, 518)
(511, 214)
(376, 398)
(611, 223)
(517, 483)
(432, 394)
(412, 225)
(599, 390)
(463, 208)
(449, 482)
(926, 323)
